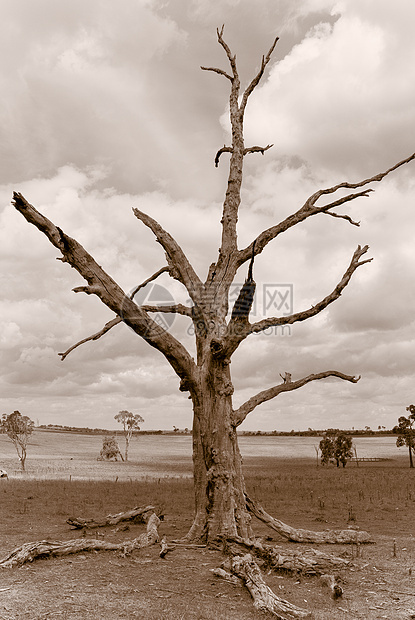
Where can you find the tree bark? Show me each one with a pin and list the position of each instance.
(220, 507)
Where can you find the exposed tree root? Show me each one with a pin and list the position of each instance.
(139, 514)
(343, 537)
(246, 569)
(45, 548)
(308, 562)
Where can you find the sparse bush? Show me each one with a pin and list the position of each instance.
(110, 449)
(336, 449)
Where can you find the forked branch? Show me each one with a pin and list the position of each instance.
(321, 305)
(232, 201)
(179, 266)
(110, 293)
(240, 414)
(117, 319)
(311, 208)
(257, 78)
(235, 337)
(252, 149)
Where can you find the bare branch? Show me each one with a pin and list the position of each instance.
(88, 290)
(343, 217)
(224, 149)
(258, 149)
(321, 305)
(179, 266)
(310, 208)
(115, 321)
(240, 414)
(345, 185)
(110, 293)
(235, 335)
(216, 70)
(256, 79)
(232, 59)
(95, 336)
(150, 279)
(175, 309)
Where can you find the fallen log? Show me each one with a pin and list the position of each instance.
(342, 537)
(46, 548)
(150, 537)
(139, 514)
(310, 562)
(246, 569)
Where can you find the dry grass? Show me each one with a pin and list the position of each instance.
(377, 497)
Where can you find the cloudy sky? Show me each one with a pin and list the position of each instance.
(104, 107)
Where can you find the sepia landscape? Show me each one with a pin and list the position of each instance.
(64, 480)
(207, 313)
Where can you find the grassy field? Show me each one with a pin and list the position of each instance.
(379, 497)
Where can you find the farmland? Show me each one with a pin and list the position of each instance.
(65, 479)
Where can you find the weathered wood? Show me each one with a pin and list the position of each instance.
(150, 537)
(224, 574)
(140, 514)
(343, 537)
(165, 548)
(246, 569)
(309, 562)
(46, 548)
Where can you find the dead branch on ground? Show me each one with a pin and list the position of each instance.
(46, 548)
(138, 515)
(343, 537)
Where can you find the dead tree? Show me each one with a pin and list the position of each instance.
(220, 505)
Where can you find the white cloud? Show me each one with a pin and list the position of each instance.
(107, 109)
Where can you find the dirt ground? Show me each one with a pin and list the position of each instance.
(105, 585)
(378, 584)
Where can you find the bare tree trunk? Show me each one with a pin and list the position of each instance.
(127, 443)
(411, 463)
(220, 506)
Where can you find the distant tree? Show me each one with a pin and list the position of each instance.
(19, 428)
(327, 450)
(130, 424)
(343, 449)
(336, 447)
(406, 432)
(110, 449)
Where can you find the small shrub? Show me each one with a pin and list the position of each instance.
(110, 449)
